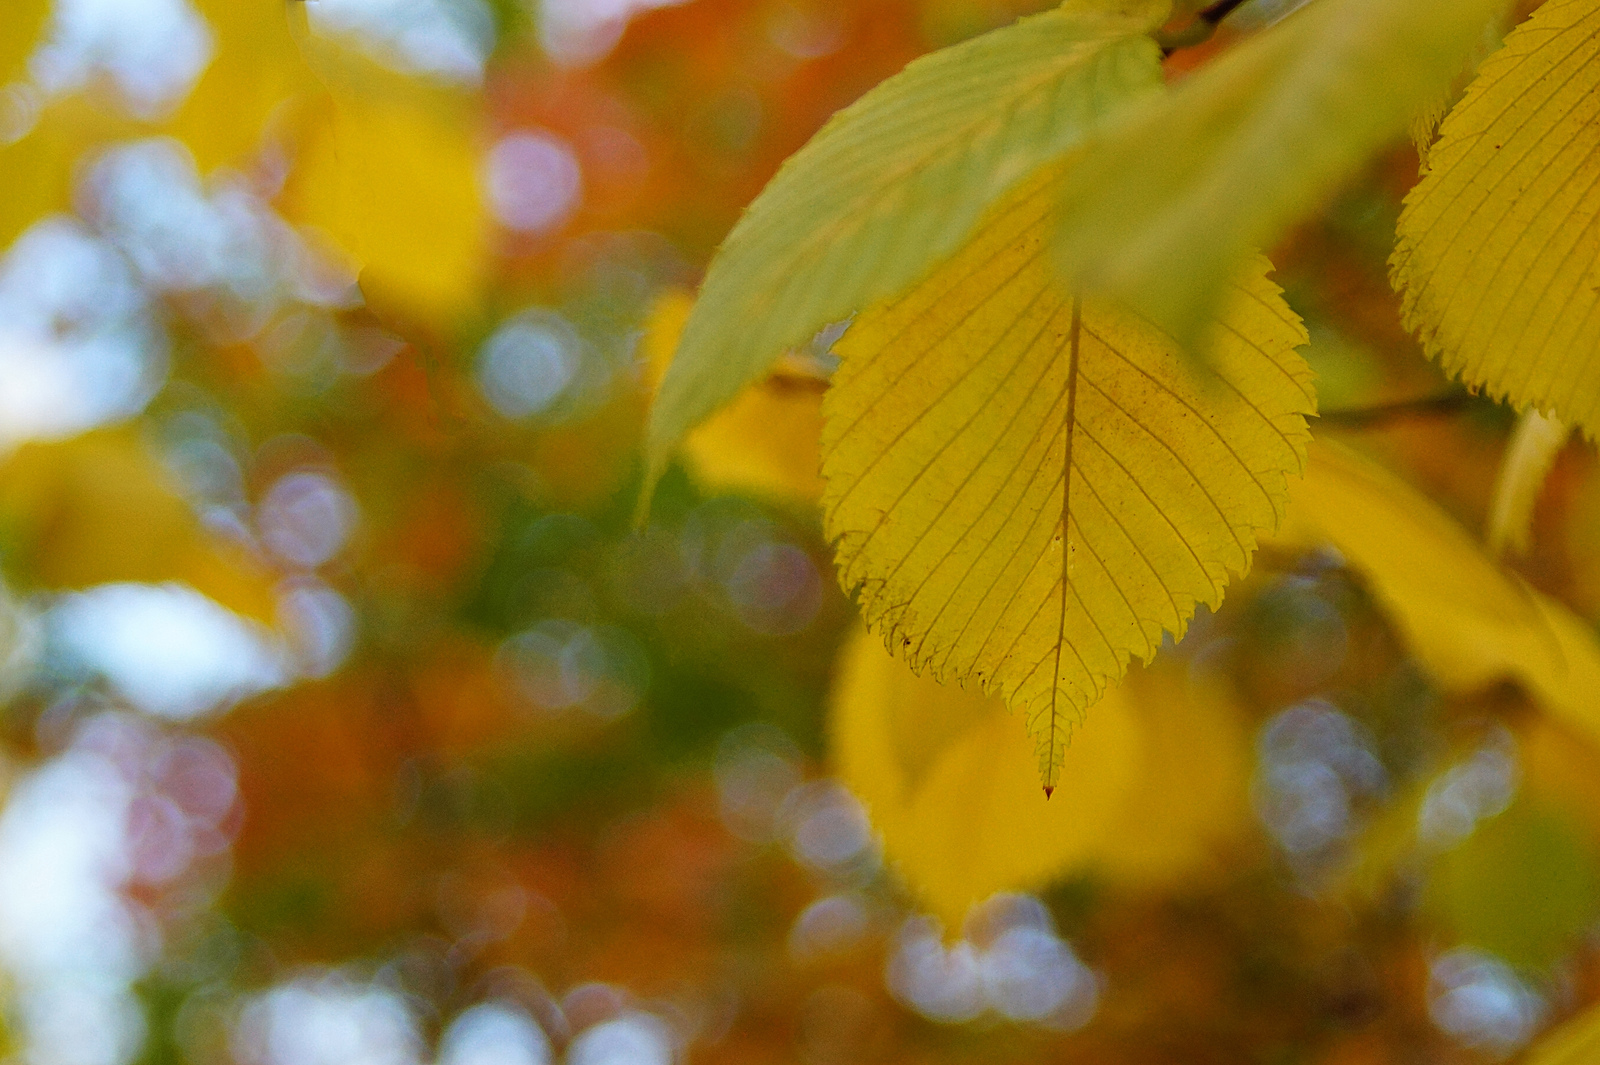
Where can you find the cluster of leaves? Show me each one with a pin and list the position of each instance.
(1018, 308)
(1032, 233)
(1068, 401)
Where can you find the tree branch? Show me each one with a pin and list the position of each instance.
(1199, 31)
(1443, 404)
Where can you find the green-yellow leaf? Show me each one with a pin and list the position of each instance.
(1165, 207)
(894, 183)
(1523, 886)
(1467, 619)
(1499, 255)
(948, 427)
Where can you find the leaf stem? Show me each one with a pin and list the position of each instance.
(1444, 403)
(1074, 341)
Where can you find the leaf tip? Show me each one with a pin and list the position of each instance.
(1049, 790)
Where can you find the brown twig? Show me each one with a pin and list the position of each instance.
(1443, 404)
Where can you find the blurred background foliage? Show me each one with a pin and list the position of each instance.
(349, 719)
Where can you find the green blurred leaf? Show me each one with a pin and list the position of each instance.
(1162, 210)
(1523, 886)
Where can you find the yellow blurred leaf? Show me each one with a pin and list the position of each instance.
(1559, 768)
(1191, 795)
(1534, 445)
(255, 73)
(100, 507)
(20, 33)
(1575, 1043)
(1497, 243)
(1467, 619)
(1165, 207)
(37, 170)
(1578, 531)
(388, 169)
(766, 442)
(950, 422)
(1153, 786)
(256, 70)
(894, 183)
(947, 777)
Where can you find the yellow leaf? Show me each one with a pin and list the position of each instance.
(896, 182)
(1164, 208)
(947, 778)
(100, 507)
(1575, 1043)
(19, 35)
(949, 424)
(766, 441)
(255, 73)
(1498, 245)
(1530, 454)
(388, 169)
(1469, 621)
(1191, 794)
(1425, 121)
(37, 170)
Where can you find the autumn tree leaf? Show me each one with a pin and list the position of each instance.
(39, 168)
(1498, 244)
(1468, 620)
(950, 421)
(894, 183)
(1165, 206)
(1191, 799)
